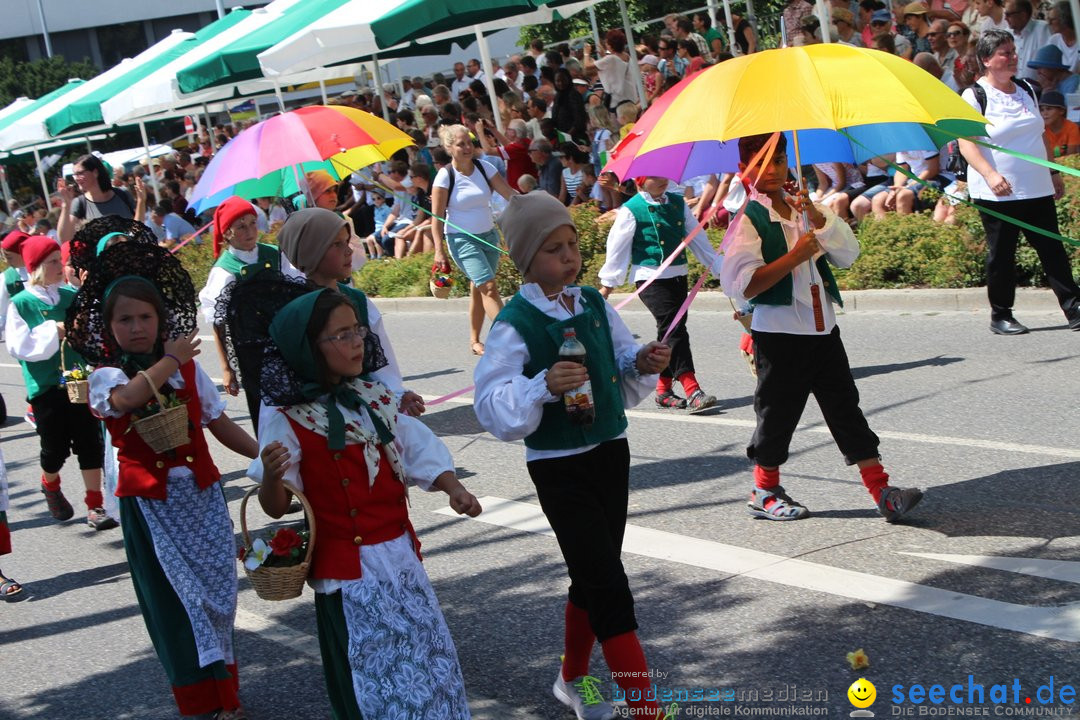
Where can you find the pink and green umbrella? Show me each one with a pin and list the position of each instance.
(346, 138)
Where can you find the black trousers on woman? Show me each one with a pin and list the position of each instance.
(1001, 240)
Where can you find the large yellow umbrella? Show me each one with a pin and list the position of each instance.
(865, 93)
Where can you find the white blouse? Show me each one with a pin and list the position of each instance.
(220, 278)
(510, 405)
(743, 259)
(5, 297)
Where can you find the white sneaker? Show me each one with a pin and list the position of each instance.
(583, 696)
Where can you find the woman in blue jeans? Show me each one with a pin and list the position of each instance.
(461, 195)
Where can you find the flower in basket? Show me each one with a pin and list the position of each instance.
(282, 548)
(75, 374)
(442, 280)
(153, 407)
(257, 554)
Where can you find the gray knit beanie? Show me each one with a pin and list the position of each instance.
(307, 234)
(528, 221)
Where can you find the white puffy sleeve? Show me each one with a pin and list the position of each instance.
(30, 344)
(274, 426)
(508, 404)
(424, 456)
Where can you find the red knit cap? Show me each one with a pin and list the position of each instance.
(226, 214)
(13, 241)
(36, 249)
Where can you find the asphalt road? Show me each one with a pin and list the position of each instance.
(984, 581)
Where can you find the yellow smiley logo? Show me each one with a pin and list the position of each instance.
(862, 693)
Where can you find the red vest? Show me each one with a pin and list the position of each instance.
(142, 471)
(348, 513)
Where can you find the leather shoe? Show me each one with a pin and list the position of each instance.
(1007, 326)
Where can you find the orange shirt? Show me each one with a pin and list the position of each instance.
(1060, 141)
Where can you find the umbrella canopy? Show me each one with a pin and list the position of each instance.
(811, 88)
(420, 18)
(238, 60)
(350, 138)
(25, 110)
(86, 111)
(279, 183)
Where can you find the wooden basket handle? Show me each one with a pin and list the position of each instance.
(308, 513)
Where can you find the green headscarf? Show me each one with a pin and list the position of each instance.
(289, 331)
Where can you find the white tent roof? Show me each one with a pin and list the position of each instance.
(31, 130)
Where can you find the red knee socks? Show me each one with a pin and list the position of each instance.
(51, 486)
(689, 383)
(663, 385)
(746, 343)
(94, 499)
(626, 660)
(875, 479)
(766, 479)
(578, 643)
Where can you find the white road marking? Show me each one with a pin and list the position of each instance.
(1059, 623)
(268, 629)
(1007, 447)
(1061, 570)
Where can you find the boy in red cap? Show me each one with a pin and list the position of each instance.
(34, 331)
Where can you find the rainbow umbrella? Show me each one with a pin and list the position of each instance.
(892, 106)
(345, 137)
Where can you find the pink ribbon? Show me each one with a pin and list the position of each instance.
(451, 396)
(191, 237)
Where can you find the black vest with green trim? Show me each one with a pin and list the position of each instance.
(269, 258)
(14, 282)
(543, 335)
(773, 247)
(659, 228)
(359, 301)
(41, 375)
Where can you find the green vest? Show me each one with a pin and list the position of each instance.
(14, 282)
(773, 247)
(659, 229)
(359, 301)
(543, 336)
(269, 257)
(41, 375)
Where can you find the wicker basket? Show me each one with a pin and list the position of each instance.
(78, 390)
(440, 292)
(279, 583)
(165, 430)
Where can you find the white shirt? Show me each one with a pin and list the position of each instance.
(1035, 35)
(457, 86)
(620, 242)
(1016, 124)
(743, 259)
(40, 342)
(987, 23)
(1069, 55)
(916, 160)
(5, 298)
(468, 208)
(617, 79)
(510, 405)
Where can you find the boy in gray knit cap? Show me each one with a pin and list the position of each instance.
(581, 473)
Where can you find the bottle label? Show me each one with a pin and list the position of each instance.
(579, 401)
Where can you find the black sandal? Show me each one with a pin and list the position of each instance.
(10, 590)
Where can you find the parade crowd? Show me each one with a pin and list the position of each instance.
(93, 283)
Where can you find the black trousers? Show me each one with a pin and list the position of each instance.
(63, 427)
(663, 299)
(363, 218)
(584, 498)
(1001, 240)
(790, 367)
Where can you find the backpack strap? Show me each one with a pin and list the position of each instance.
(980, 92)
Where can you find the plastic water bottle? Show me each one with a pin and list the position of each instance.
(579, 402)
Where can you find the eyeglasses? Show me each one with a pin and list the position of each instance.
(347, 337)
(955, 33)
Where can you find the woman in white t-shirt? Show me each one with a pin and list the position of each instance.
(465, 206)
(616, 75)
(1010, 186)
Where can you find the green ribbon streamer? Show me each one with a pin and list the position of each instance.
(428, 212)
(1023, 156)
(992, 213)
